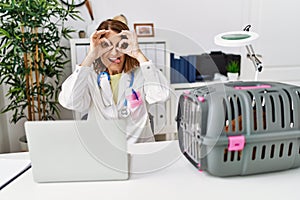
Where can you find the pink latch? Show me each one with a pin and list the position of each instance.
(201, 99)
(236, 143)
(199, 167)
(186, 92)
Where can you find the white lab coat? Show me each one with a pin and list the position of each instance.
(80, 92)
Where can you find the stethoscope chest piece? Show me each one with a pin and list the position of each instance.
(103, 82)
(124, 112)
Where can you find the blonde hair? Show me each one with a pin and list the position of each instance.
(116, 26)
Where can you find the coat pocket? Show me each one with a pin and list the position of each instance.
(136, 105)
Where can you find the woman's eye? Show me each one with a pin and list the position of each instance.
(104, 44)
(124, 45)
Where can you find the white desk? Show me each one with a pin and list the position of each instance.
(178, 180)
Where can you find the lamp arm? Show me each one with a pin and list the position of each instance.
(253, 57)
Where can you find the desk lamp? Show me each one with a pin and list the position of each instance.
(238, 39)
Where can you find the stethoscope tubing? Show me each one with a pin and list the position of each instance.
(106, 74)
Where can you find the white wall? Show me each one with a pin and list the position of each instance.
(277, 23)
(198, 20)
(189, 27)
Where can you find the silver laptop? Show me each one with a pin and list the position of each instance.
(77, 150)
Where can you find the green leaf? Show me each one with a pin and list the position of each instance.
(15, 46)
(4, 33)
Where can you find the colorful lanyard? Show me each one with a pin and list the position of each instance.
(130, 85)
(108, 77)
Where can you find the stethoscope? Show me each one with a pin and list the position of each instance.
(104, 78)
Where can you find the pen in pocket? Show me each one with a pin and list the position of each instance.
(135, 94)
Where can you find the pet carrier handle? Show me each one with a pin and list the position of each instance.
(252, 87)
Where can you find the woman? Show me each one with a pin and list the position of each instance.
(120, 85)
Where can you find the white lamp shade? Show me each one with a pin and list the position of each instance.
(235, 38)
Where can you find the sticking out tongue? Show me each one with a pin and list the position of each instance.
(115, 60)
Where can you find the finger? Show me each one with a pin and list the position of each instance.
(102, 31)
(125, 34)
(105, 43)
(107, 49)
(98, 34)
(130, 36)
(94, 35)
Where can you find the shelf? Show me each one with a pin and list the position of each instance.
(151, 40)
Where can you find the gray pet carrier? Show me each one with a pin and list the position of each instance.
(240, 128)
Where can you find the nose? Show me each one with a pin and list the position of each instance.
(114, 51)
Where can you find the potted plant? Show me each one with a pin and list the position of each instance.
(32, 56)
(233, 70)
